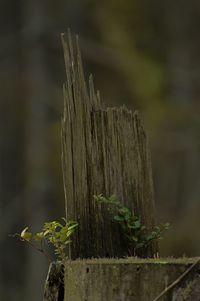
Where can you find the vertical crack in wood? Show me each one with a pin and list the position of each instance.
(104, 150)
(54, 284)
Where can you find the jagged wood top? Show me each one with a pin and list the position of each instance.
(104, 150)
(75, 75)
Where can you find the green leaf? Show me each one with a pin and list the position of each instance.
(167, 225)
(113, 199)
(67, 242)
(64, 219)
(137, 233)
(119, 218)
(99, 197)
(139, 245)
(39, 236)
(134, 238)
(143, 228)
(134, 224)
(72, 226)
(46, 232)
(125, 211)
(25, 234)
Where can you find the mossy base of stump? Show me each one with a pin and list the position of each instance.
(131, 279)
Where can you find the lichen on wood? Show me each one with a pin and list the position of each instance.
(104, 150)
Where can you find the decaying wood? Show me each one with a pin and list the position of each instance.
(54, 285)
(104, 150)
(132, 279)
(177, 281)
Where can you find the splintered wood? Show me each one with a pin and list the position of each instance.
(104, 150)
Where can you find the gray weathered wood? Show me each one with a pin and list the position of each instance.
(54, 284)
(131, 280)
(104, 150)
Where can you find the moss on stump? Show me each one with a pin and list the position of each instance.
(130, 279)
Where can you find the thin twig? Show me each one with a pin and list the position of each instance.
(173, 284)
(41, 250)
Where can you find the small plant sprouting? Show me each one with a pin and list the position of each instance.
(135, 232)
(53, 233)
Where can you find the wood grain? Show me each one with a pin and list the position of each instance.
(104, 150)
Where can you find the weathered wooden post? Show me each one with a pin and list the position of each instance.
(104, 150)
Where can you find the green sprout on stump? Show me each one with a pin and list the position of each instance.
(53, 233)
(138, 236)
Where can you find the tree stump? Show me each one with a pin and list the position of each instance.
(104, 150)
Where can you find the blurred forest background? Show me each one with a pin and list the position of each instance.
(145, 54)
